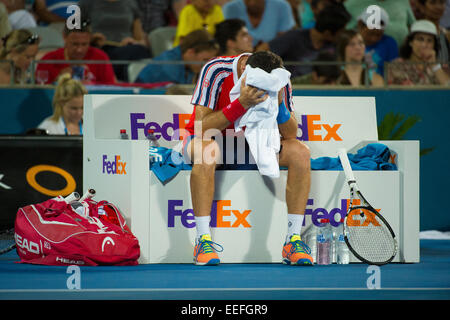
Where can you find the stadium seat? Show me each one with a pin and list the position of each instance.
(135, 67)
(50, 37)
(161, 39)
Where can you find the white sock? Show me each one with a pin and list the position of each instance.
(295, 223)
(202, 225)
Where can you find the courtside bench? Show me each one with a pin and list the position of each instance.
(249, 213)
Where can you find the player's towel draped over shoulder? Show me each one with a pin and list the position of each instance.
(212, 76)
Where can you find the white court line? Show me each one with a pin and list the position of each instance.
(213, 289)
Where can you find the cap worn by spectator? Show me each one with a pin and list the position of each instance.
(424, 26)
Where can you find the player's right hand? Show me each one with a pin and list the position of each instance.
(251, 96)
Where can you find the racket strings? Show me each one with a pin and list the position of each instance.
(371, 239)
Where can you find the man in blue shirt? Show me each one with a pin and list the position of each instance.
(196, 46)
(380, 48)
(265, 19)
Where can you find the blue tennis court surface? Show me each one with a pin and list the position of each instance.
(429, 279)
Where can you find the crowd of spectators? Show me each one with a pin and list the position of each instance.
(320, 41)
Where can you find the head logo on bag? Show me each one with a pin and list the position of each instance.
(107, 240)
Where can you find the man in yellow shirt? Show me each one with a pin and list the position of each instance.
(197, 15)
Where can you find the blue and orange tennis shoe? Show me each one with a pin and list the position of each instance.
(296, 252)
(205, 251)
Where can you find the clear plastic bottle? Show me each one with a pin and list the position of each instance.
(310, 236)
(324, 243)
(152, 139)
(123, 134)
(342, 251)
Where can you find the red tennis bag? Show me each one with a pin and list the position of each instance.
(74, 231)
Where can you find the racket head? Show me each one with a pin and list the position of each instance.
(369, 236)
(7, 241)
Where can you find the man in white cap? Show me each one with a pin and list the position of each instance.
(402, 16)
(380, 47)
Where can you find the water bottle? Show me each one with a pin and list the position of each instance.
(342, 251)
(123, 134)
(324, 243)
(152, 139)
(78, 73)
(309, 235)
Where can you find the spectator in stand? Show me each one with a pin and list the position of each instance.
(321, 73)
(402, 16)
(306, 15)
(117, 30)
(417, 64)
(67, 118)
(351, 50)
(233, 37)
(264, 19)
(311, 10)
(197, 46)
(301, 45)
(160, 13)
(19, 18)
(20, 47)
(76, 47)
(52, 11)
(433, 10)
(199, 14)
(380, 48)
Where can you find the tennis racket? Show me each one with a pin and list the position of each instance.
(7, 242)
(367, 233)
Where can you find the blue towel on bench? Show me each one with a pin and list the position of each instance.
(374, 156)
(166, 163)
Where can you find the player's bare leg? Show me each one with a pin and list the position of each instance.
(204, 155)
(296, 156)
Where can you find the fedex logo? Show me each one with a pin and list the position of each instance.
(168, 130)
(310, 125)
(222, 215)
(335, 215)
(311, 129)
(113, 167)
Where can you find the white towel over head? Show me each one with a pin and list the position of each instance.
(261, 132)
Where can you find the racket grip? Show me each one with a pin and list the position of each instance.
(74, 196)
(346, 165)
(89, 194)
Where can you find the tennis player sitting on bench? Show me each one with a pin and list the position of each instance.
(214, 110)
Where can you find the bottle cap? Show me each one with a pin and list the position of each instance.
(324, 220)
(151, 131)
(123, 131)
